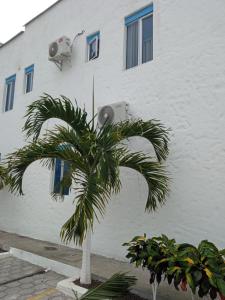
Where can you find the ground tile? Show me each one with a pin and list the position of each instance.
(40, 286)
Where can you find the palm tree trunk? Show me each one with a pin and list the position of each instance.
(85, 274)
(154, 290)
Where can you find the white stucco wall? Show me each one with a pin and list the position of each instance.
(184, 87)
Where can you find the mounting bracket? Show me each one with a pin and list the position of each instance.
(59, 62)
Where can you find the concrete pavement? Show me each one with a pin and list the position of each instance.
(17, 282)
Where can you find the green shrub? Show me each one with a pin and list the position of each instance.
(201, 268)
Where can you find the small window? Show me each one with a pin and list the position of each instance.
(29, 75)
(60, 170)
(9, 92)
(93, 44)
(139, 37)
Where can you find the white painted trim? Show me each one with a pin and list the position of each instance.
(44, 262)
(4, 255)
(68, 287)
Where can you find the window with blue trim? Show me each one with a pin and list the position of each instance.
(61, 169)
(29, 76)
(139, 37)
(9, 92)
(93, 46)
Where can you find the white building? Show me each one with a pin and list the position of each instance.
(183, 86)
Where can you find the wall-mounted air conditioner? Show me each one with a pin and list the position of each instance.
(113, 113)
(60, 51)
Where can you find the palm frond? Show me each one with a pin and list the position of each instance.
(63, 135)
(152, 130)
(92, 197)
(48, 107)
(117, 286)
(107, 168)
(154, 174)
(44, 151)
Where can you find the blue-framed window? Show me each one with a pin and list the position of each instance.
(139, 37)
(60, 170)
(29, 78)
(93, 46)
(10, 83)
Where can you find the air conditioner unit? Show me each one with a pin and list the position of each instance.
(60, 49)
(113, 113)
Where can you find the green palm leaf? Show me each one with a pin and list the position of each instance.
(151, 130)
(154, 174)
(62, 135)
(48, 107)
(91, 197)
(44, 151)
(117, 286)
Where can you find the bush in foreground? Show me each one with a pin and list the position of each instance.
(201, 268)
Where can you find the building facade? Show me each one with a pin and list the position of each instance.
(172, 71)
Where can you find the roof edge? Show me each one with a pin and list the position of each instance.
(12, 38)
(43, 12)
(21, 32)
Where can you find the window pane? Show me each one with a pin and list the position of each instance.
(10, 89)
(94, 48)
(66, 171)
(147, 39)
(12, 94)
(28, 82)
(62, 168)
(132, 45)
(57, 176)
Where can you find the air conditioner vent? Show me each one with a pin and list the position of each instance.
(112, 113)
(53, 49)
(106, 115)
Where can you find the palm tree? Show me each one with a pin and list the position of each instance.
(95, 157)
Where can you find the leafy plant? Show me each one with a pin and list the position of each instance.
(95, 156)
(201, 268)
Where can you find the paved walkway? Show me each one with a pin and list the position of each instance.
(102, 267)
(36, 287)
